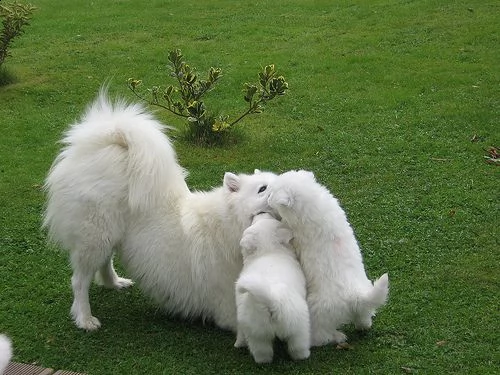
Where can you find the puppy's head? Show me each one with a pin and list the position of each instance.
(265, 233)
(288, 188)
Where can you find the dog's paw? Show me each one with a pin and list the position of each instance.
(115, 283)
(88, 324)
(121, 283)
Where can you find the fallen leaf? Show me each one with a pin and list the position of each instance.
(344, 346)
(493, 156)
(441, 343)
(408, 370)
(493, 152)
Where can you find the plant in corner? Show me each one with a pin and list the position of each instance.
(186, 98)
(15, 16)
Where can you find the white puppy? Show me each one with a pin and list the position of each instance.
(271, 292)
(117, 187)
(5, 352)
(338, 290)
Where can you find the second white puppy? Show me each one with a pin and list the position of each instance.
(338, 290)
(271, 292)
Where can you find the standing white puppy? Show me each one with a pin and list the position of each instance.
(338, 290)
(271, 292)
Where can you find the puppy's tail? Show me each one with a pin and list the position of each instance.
(5, 352)
(265, 294)
(378, 294)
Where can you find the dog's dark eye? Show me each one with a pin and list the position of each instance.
(262, 188)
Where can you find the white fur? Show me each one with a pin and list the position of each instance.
(117, 186)
(338, 290)
(5, 352)
(271, 293)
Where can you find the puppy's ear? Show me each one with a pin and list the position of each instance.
(280, 198)
(256, 171)
(284, 234)
(248, 242)
(232, 182)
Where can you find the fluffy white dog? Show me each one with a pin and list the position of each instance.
(5, 352)
(338, 290)
(117, 186)
(271, 293)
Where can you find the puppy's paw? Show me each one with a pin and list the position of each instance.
(363, 325)
(339, 337)
(325, 338)
(240, 344)
(263, 357)
(298, 354)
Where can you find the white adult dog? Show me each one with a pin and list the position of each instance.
(338, 290)
(5, 352)
(117, 186)
(271, 292)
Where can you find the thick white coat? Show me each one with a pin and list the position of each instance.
(117, 186)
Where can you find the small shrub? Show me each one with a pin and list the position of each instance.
(186, 98)
(15, 16)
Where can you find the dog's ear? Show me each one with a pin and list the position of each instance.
(256, 171)
(232, 182)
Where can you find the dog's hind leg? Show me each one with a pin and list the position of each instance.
(80, 310)
(86, 261)
(107, 277)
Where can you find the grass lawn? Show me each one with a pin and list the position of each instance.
(391, 104)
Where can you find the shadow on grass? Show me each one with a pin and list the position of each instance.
(6, 77)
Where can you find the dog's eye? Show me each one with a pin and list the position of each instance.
(262, 188)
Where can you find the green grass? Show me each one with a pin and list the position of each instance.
(384, 99)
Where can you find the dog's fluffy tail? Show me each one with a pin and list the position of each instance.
(116, 160)
(152, 167)
(5, 352)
